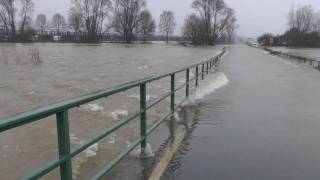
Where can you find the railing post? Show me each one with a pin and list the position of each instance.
(143, 118)
(202, 74)
(197, 76)
(207, 68)
(64, 145)
(187, 81)
(172, 105)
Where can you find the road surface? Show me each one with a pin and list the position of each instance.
(263, 125)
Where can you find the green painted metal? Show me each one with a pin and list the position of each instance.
(202, 74)
(187, 82)
(172, 102)
(143, 117)
(197, 76)
(60, 110)
(64, 145)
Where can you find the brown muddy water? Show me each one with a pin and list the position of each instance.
(64, 71)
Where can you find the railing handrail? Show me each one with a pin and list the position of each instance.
(60, 109)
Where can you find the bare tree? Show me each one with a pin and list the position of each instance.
(205, 11)
(292, 18)
(7, 16)
(301, 19)
(316, 23)
(58, 22)
(41, 23)
(26, 13)
(146, 25)
(225, 23)
(126, 17)
(75, 20)
(218, 19)
(195, 29)
(94, 14)
(167, 24)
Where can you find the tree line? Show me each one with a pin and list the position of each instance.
(213, 21)
(303, 29)
(129, 19)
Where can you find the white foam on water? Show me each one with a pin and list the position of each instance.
(92, 150)
(217, 81)
(112, 138)
(143, 67)
(189, 101)
(148, 152)
(176, 117)
(226, 53)
(75, 140)
(93, 107)
(148, 97)
(96, 79)
(30, 93)
(118, 114)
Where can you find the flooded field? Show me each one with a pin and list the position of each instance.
(312, 53)
(33, 75)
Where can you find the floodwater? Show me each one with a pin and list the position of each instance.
(264, 124)
(312, 53)
(33, 75)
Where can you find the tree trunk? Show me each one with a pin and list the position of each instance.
(167, 38)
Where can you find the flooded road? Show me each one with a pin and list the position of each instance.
(263, 125)
(70, 70)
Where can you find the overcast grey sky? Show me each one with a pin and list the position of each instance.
(254, 16)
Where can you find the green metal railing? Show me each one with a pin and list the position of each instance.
(60, 110)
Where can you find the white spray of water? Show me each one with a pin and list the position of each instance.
(118, 114)
(93, 107)
(143, 67)
(112, 138)
(217, 81)
(82, 157)
(148, 152)
(176, 117)
(92, 150)
(148, 97)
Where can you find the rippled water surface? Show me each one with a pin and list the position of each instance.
(264, 124)
(69, 70)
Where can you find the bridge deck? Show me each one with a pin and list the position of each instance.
(265, 124)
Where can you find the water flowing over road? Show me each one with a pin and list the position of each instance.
(265, 124)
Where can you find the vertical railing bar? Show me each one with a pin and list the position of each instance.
(187, 81)
(197, 76)
(64, 144)
(202, 74)
(172, 105)
(143, 118)
(207, 68)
